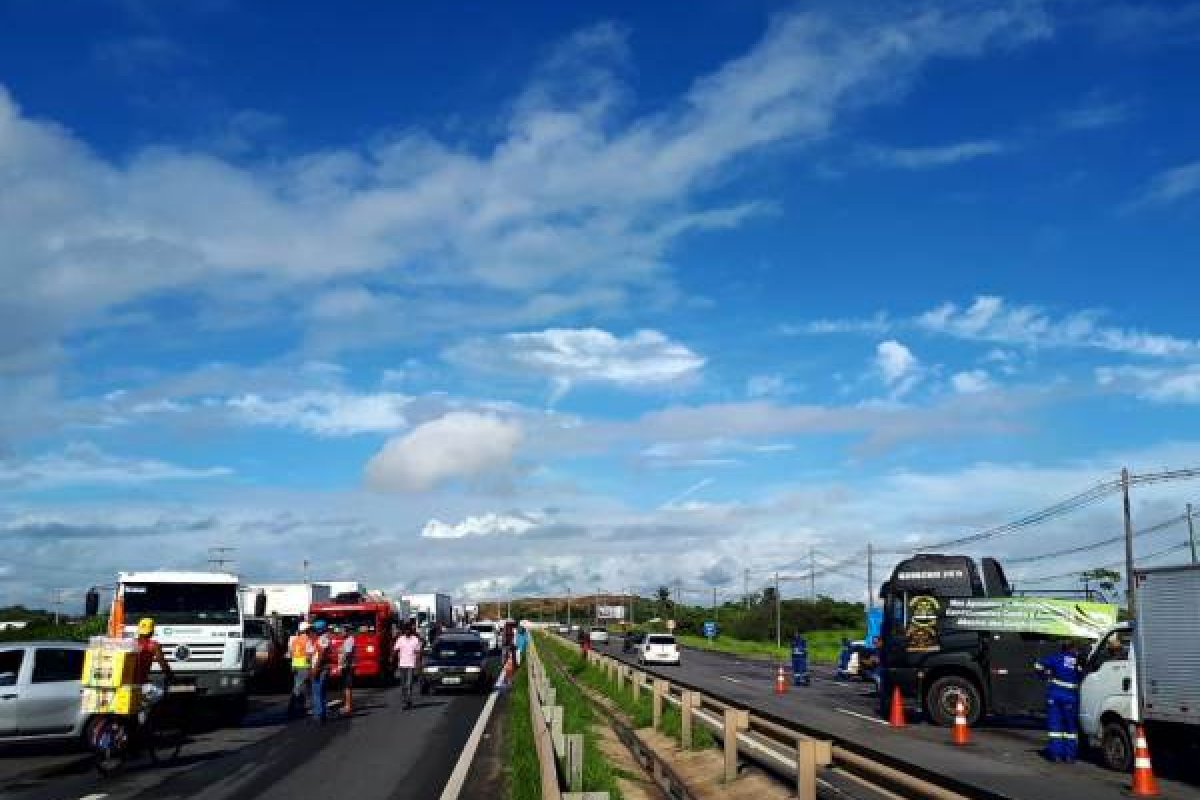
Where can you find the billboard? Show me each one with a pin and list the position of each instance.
(929, 617)
(610, 612)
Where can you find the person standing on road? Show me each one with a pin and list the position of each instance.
(319, 656)
(521, 641)
(346, 668)
(1062, 673)
(407, 653)
(298, 650)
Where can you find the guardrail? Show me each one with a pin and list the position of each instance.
(559, 754)
(798, 756)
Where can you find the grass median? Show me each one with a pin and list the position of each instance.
(639, 712)
(524, 775)
(823, 646)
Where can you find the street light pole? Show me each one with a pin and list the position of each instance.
(1191, 532)
(1130, 591)
(568, 608)
(778, 621)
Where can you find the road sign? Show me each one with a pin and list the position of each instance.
(710, 628)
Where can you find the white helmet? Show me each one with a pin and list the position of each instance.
(304, 626)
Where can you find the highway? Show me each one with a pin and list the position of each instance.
(1001, 761)
(382, 752)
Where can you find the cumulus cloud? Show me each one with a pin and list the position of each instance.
(325, 413)
(1159, 385)
(490, 524)
(897, 366)
(461, 444)
(84, 464)
(568, 356)
(971, 381)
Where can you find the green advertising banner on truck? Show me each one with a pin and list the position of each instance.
(1052, 617)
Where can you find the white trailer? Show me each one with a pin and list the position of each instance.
(344, 587)
(286, 600)
(1147, 671)
(430, 607)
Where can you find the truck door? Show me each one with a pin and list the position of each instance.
(1016, 688)
(11, 661)
(1108, 683)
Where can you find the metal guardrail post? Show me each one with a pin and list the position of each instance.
(806, 770)
(735, 720)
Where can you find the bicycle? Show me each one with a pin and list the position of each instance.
(116, 738)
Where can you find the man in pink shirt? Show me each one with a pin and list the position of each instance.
(407, 654)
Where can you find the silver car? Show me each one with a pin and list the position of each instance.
(40, 690)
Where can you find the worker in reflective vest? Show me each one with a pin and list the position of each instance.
(298, 649)
(1062, 673)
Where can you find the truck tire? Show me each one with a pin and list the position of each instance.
(233, 708)
(942, 696)
(1116, 748)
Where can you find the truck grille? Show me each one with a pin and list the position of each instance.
(186, 653)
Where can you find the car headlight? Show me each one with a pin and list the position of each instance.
(430, 669)
(472, 669)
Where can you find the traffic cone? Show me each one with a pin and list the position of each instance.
(780, 682)
(961, 734)
(1144, 784)
(896, 717)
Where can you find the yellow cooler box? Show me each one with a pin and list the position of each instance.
(108, 669)
(124, 700)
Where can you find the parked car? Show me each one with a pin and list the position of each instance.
(633, 641)
(598, 634)
(40, 691)
(459, 661)
(659, 648)
(489, 632)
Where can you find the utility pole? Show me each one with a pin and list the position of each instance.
(1191, 532)
(1130, 591)
(217, 558)
(58, 601)
(778, 621)
(306, 570)
(568, 608)
(746, 587)
(715, 612)
(870, 578)
(812, 573)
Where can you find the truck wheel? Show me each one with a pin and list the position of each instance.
(945, 693)
(233, 709)
(1116, 747)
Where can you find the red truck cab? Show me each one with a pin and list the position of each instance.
(371, 623)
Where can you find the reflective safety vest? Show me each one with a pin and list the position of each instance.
(299, 652)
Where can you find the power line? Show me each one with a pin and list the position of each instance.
(1156, 528)
(1148, 557)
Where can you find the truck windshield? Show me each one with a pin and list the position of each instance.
(182, 603)
(350, 621)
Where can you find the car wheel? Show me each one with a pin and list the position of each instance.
(945, 693)
(1116, 747)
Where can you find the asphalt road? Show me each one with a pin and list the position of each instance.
(1003, 759)
(382, 752)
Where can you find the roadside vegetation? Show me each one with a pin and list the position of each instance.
(640, 713)
(524, 774)
(40, 626)
(823, 646)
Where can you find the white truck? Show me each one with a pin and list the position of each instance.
(198, 619)
(430, 607)
(288, 601)
(1156, 660)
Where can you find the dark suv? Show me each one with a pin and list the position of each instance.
(459, 661)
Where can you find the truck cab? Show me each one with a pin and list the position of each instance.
(1106, 698)
(371, 623)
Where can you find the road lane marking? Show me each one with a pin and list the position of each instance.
(861, 716)
(454, 786)
(731, 680)
(839, 683)
(93, 797)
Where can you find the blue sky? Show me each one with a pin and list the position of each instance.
(490, 299)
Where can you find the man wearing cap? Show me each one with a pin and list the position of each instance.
(298, 651)
(149, 652)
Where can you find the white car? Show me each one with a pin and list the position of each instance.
(659, 648)
(39, 691)
(598, 635)
(489, 632)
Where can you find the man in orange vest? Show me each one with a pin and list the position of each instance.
(301, 670)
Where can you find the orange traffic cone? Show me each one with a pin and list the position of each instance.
(780, 682)
(1144, 784)
(961, 734)
(896, 717)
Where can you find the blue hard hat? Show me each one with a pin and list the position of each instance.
(319, 625)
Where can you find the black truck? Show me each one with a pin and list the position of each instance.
(932, 654)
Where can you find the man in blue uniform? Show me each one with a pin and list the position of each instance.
(1062, 673)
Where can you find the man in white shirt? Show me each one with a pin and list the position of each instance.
(407, 655)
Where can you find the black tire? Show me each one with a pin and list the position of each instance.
(233, 709)
(110, 746)
(944, 693)
(164, 743)
(1116, 748)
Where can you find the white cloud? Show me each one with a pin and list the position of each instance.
(84, 464)
(461, 444)
(568, 356)
(490, 524)
(898, 367)
(573, 203)
(1172, 185)
(325, 413)
(1159, 385)
(971, 381)
(939, 156)
(1093, 115)
(759, 386)
(877, 324)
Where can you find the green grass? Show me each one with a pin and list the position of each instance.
(823, 646)
(578, 717)
(524, 776)
(640, 713)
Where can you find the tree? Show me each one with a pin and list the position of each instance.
(663, 595)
